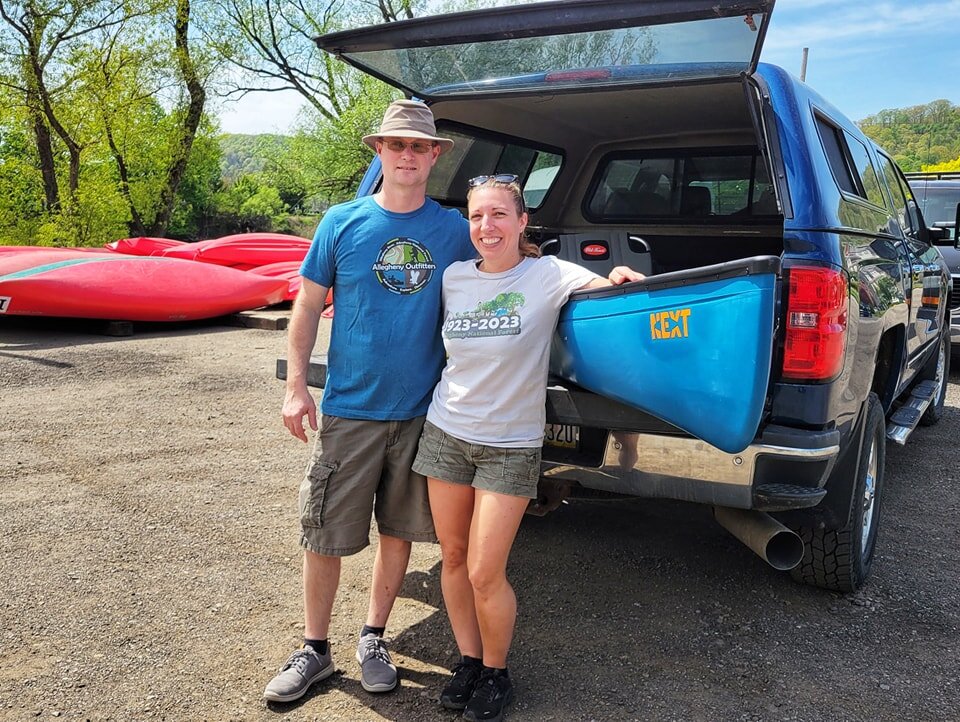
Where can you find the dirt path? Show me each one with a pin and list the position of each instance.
(150, 569)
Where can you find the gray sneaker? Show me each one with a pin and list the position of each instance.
(303, 668)
(377, 671)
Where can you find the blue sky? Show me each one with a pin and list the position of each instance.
(865, 56)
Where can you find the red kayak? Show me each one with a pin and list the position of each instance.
(289, 270)
(47, 249)
(244, 250)
(80, 284)
(143, 245)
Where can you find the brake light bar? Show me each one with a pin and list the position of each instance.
(563, 75)
(816, 324)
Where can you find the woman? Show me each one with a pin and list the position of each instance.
(480, 447)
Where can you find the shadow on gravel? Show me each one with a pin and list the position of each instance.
(37, 360)
(20, 333)
(618, 602)
(646, 609)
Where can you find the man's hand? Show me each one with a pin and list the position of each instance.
(296, 405)
(624, 274)
(301, 336)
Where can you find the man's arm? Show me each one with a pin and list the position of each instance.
(301, 337)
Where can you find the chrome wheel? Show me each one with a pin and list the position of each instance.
(941, 377)
(937, 370)
(869, 500)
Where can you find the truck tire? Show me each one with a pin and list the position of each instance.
(938, 369)
(840, 559)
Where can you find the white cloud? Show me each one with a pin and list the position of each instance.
(866, 22)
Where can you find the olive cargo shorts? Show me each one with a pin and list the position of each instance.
(505, 470)
(359, 467)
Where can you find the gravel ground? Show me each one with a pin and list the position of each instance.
(150, 568)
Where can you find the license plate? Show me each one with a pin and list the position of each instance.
(562, 435)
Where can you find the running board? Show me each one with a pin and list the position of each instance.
(905, 419)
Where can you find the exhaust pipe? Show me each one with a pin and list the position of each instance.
(551, 493)
(779, 547)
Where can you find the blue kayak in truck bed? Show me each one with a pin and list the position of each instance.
(693, 348)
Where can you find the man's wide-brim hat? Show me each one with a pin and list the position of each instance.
(408, 119)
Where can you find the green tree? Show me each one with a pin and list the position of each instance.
(22, 203)
(249, 205)
(40, 45)
(196, 212)
(327, 156)
(917, 136)
(112, 96)
(189, 115)
(270, 45)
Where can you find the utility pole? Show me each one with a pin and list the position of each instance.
(803, 65)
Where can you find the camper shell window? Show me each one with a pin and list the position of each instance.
(681, 184)
(869, 184)
(851, 164)
(834, 148)
(480, 153)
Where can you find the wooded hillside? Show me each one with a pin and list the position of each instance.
(920, 136)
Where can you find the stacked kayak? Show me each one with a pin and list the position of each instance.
(287, 270)
(143, 245)
(142, 279)
(693, 348)
(245, 251)
(267, 254)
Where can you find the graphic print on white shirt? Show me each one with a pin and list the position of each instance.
(497, 317)
(496, 332)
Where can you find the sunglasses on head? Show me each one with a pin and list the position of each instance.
(498, 178)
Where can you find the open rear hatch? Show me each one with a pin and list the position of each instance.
(568, 44)
(516, 56)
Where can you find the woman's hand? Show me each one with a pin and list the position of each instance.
(624, 274)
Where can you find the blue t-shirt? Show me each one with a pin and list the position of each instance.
(386, 270)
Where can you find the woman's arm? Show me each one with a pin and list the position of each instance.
(620, 274)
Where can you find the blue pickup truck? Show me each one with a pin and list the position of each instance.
(648, 134)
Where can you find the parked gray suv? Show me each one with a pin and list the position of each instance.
(938, 195)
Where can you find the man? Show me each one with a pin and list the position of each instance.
(385, 255)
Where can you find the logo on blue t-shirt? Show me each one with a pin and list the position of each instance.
(404, 266)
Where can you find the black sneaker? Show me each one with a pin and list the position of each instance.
(493, 692)
(462, 682)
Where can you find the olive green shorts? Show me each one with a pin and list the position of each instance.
(359, 468)
(504, 470)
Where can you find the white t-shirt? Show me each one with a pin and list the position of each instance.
(497, 330)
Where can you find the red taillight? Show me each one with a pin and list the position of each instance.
(816, 324)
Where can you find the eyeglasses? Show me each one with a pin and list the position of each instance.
(498, 177)
(417, 146)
